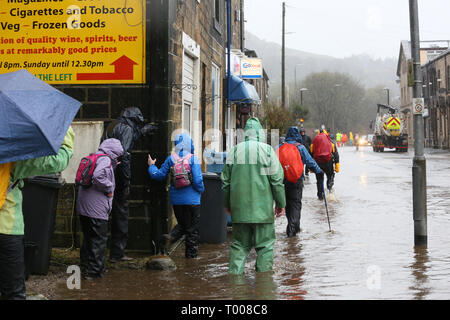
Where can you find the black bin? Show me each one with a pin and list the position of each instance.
(40, 195)
(30, 252)
(213, 216)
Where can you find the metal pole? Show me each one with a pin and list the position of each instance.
(295, 73)
(419, 161)
(283, 93)
(228, 146)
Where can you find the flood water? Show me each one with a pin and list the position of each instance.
(369, 254)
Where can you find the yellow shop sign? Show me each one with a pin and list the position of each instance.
(74, 41)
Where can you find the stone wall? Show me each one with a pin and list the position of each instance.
(160, 100)
(149, 205)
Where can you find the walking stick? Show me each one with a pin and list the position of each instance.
(176, 245)
(326, 206)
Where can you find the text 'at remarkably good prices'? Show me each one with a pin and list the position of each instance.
(74, 41)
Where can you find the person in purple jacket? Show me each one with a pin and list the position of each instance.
(94, 206)
(186, 200)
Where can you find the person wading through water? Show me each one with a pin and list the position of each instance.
(293, 156)
(252, 180)
(322, 150)
(185, 190)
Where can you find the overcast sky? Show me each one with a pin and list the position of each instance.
(346, 27)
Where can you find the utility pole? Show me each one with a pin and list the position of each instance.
(283, 92)
(419, 174)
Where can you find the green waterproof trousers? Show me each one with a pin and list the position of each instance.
(246, 236)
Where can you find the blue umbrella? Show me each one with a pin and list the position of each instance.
(34, 117)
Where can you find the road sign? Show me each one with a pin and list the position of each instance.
(74, 41)
(418, 105)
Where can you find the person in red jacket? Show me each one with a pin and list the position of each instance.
(322, 150)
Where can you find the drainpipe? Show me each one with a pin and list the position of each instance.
(229, 135)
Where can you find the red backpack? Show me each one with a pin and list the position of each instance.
(86, 169)
(322, 148)
(291, 161)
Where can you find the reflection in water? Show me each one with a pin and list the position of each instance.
(257, 286)
(363, 180)
(419, 270)
(292, 286)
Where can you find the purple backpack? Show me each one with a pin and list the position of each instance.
(86, 169)
(181, 171)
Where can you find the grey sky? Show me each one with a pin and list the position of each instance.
(346, 27)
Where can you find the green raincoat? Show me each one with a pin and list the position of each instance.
(252, 180)
(11, 217)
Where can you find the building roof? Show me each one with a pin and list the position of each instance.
(405, 48)
(443, 54)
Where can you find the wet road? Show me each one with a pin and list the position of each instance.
(369, 254)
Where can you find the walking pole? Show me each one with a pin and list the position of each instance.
(177, 244)
(326, 206)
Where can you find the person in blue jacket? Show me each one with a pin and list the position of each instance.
(185, 200)
(294, 191)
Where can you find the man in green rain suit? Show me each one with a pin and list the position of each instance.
(252, 179)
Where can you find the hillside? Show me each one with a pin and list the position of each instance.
(366, 70)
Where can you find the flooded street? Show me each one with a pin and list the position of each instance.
(369, 254)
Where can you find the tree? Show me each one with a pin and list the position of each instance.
(298, 111)
(277, 117)
(335, 100)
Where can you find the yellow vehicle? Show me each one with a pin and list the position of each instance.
(390, 130)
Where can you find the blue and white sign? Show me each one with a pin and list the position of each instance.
(251, 68)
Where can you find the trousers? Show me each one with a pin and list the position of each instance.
(93, 249)
(293, 192)
(188, 217)
(119, 221)
(12, 267)
(328, 169)
(246, 236)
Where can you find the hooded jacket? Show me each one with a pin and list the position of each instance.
(293, 136)
(94, 201)
(252, 178)
(11, 215)
(190, 195)
(126, 129)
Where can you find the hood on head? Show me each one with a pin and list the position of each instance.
(112, 147)
(133, 116)
(294, 135)
(253, 130)
(184, 143)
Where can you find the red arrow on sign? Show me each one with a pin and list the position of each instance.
(123, 70)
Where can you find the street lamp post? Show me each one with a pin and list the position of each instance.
(301, 95)
(337, 85)
(387, 90)
(295, 74)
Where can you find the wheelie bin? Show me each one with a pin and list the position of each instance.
(40, 195)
